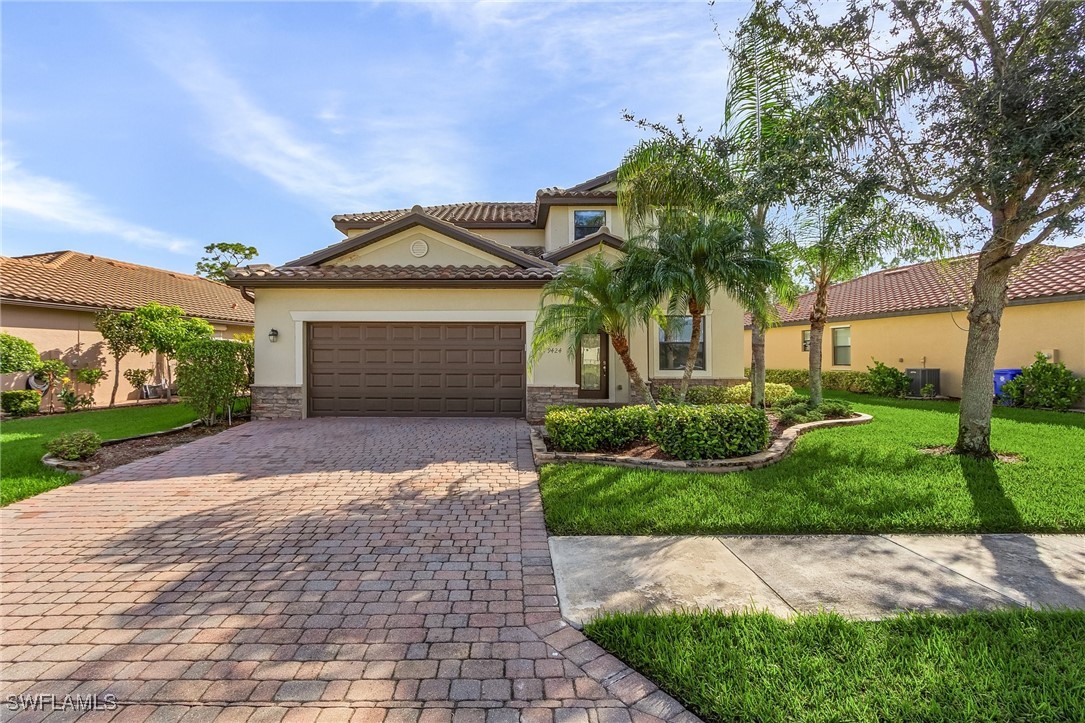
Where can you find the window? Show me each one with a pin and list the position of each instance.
(842, 346)
(674, 343)
(585, 223)
(806, 340)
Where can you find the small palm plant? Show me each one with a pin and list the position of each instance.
(589, 297)
(688, 257)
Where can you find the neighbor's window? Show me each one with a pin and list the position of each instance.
(806, 340)
(674, 343)
(842, 346)
(585, 223)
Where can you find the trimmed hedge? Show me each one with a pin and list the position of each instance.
(20, 402)
(739, 394)
(713, 431)
(797, 409)
(590, 429)
(844, 381)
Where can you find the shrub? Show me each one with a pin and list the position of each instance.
(589, 429)
(89, 376)
(843, 381)
(21, 402)
(792, 399)
(834, 409)
(714, 431)
(211, 373)
(1043, 384)
(80, 444)
(887, 381)
(741, 394)
(666, 394)
(927, 391)
(17, 355)
(72, 400)
(138, 377)
(799, 410)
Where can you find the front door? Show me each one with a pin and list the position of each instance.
(591, 366)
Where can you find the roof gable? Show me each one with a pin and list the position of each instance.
(602, 237)
(419, 218)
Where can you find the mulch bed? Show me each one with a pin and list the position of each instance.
(650, 450)
(943, 450)
(116, 455)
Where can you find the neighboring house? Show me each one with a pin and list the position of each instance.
(50, 300)
(916, 317)
(430, 311)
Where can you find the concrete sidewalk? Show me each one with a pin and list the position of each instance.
(861, 576)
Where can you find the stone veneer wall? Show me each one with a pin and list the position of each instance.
(277, 402)
(539, 398)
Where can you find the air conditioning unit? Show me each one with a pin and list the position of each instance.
(921, 378)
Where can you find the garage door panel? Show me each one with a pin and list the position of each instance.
(416, 369)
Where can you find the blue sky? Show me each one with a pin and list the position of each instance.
(144, 131)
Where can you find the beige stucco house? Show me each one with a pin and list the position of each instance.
(430, 311)
(50, 300)
(916, 317)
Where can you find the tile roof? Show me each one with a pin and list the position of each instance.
(77, 279)
(254, 274)
(1050, 272)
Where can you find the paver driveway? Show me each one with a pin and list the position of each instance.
(334, 569)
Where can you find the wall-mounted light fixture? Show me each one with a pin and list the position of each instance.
(273, 335)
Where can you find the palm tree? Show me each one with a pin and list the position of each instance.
(688, 257)
(839, 243)
(590, 297)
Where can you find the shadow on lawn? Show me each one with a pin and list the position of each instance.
(1017, 558)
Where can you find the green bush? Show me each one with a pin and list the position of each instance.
(792, 399)
(887, 381)
(799, 410)
(666, 394)
(741, 394)
(591, 429)
(21, 402)
(80, 444)
(843, 381)
(211, 373)
(17, 355)
(1044, 385)
(714, 431)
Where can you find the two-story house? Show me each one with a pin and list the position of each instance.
(430, 312)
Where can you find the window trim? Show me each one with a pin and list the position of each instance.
(654, 357)
(572, 222)
(832, 343)
(804, 340)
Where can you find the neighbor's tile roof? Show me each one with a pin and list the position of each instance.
(1051, 272)
(384, 272)
(70, 277)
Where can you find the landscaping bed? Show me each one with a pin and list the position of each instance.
(870, 479)
(121, 453)
(1001, 665)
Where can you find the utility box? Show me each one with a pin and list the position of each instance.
(921, 378)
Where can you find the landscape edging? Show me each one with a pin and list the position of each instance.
(779, 449)
(86, 467)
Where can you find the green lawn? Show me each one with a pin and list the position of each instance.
(862, 479)
(22, 442)
(1012, 665)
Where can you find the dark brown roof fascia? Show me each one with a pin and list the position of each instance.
(295, 283)
(599, 238)
(545, 202)
(418, 218)
(593, 183)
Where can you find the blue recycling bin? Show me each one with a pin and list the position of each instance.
(1001, 377)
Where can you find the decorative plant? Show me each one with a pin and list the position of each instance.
(54, 372)
(17, 355)
(165, 329)
(20, 402)
(123, 335)
(211, 373)
(1043, 384)
(887, 381)
(927, 391)
(72, 399)
(137, 378)
(78, 445)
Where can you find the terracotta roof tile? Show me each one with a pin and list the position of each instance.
(1050, 272)
(69, 277)
(393, 273)
(473, 212)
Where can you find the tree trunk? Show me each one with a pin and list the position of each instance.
(757, 363)
(696, 319)
(116, 380)
(984, 322)
(169, 380)
(621, 346)
(818, 316)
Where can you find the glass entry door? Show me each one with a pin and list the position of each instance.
(591, 366)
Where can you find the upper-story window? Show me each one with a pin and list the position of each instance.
(585, 223)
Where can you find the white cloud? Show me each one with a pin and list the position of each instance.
(59, 203)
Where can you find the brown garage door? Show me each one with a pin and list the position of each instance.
(416, 369)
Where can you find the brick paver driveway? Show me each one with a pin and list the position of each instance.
(338, 569)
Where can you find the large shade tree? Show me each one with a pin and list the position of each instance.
(975, 108)
(686, 258)
(592, 296)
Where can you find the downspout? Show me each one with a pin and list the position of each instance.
(247, 295)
